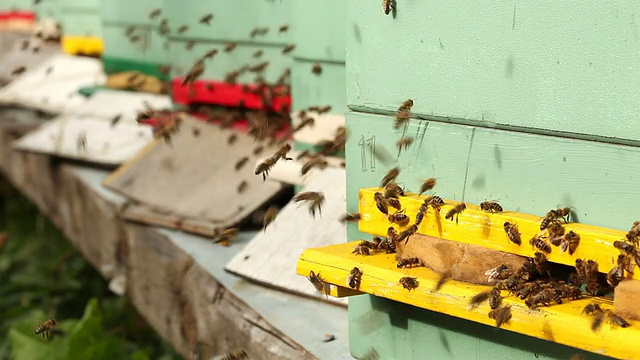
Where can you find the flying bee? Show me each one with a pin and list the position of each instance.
(316, 200)
(502, 315)
(394, 203)
(390, 176)
(258, 31)
(229, 47)
(206, 19)
(570, 242)
(387, 5)
(240, 163)
(556, 233)
(194, 73)
(81, 142)
(404, 143)
(381, 203)
(442, 278)
(115, 120)
(318, 282)
(258, 53)
(409, 283)
(282, 153)
(259, 67)
(500, 272)
(491, 206)
(392, 190)
(401, 117)
(224, 237)
(479, 298)
(456, 211)
(155, 13)
(409, 262)
(283, 28)
(355, 278)
(289, 48)
(435, 202)
(351, 217)
(242, 187)
(316, 68)
(236, 355)
(399, 217)
(323, 110)
(615, 319)
(18, 70)
(512, 233)
(540, 244)
(269, 216)
(406, 105)
(427, 185)
(264, 167)
(361, 250)
(182, 29)
(211, 53)
(44, 329)
(318, 162)
(406, 234)
(190, 44)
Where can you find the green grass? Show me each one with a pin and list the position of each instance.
(43, 276)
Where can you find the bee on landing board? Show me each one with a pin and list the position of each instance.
(409, 262)
(512, 233)
(570, 242)
(490, 206)
(407, 233)
(615, 319)
(316, 199)
(355, 278)
(318, 282)
(44, 329)
(400, 218)
(502, 315)
(538, 243)
(456, 211)
(554, 216)
(409, 283)
(362, 249)
(481, 297)
(435, 202)
(316, 68)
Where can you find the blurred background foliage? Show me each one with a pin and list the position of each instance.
(43, 276)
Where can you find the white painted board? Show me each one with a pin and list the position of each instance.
(324, 127)
(105, 144)
(107, 104)
(271, 256)
(53, 86)
(289, 172)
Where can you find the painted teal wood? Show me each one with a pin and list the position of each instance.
(525, 172)
(543, 65)
(7, 5)
(233, 20)
(309, 89)
(81, 22)
(130, 12)
(399, 331)
(80, 4)
(318, 29)
(150, 48)
(182, 60)
(48, 10)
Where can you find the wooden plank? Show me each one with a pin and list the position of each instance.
(105, 145)
(172, 180)
(12, 56)
(268, 258)
(53, 85)
(535, 66)
(562, 323)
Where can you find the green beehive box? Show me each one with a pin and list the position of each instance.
(131, 12)
(233, 21)
(20, 5)
(509, 98)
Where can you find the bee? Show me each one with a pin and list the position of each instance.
(393, 238)
(81, 142)
(381, 203)
(289, 48)
(242, 187)
(394, 203)
(129, 30)
(316, 68)
(490, 206)
(390, 176)
(615, 319)
(540, 261)
(409, 262)
(540, 244)
(570, 242)
(421, 212)
(25, 45)
(269, 217)
(555, 215)
(240, 163)
(324, 109)
(624, 247)
(616, 274)
(211, 53)
(401, 117)
(283, 28)
(258, 31)
(264, 167)
(259, 67)
(351, 217)
(18, 70)
(392, 190)
(443, 278)
(542, 298)
(316, 200)
(556, 233)
(318, 162)
(190, 44)
(512, 233)
(427, 185)
(479, 298)
(282, 153)
(318, 282)
(456, 211)
(500, 272)
(257, 150)
(229, 47)
(435, 202)
(399, 217)
(407, 233)
(406, 105)
(355, 278)
(44, 329)
(49, 70)
(502, 315)
(409, 283)
(164, 27)
(387, 5)
(182, 29)
(236, 355)
(115, 120)
(224, 237)
(258, 53)
(361, 249)
(155, 13)
(194, 73)
(206, 20)
(404, 143)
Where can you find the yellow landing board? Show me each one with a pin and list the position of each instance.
(563, 323)
(485, 229)
(82, 45)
